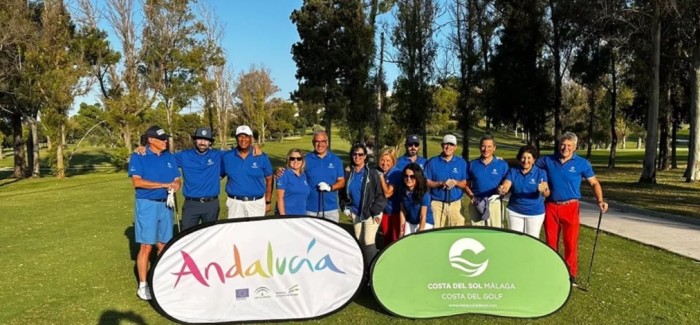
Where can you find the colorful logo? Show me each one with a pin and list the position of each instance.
(467, 268)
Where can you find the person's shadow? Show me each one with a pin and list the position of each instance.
(115, 317)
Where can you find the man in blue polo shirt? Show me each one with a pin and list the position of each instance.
(447, 177)
(565, 171)
(484, 176)
(249, 178)
(201, 168)
(325, 172)
(411, 155)
(152, 175)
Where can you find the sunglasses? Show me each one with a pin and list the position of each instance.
(413, 145)
(295, 159)
(409, 176)
(358, 154)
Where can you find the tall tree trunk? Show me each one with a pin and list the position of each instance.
(674, 141)
(34, 140)
(692, 172)
(648, 170)
(664, 127)
(613, 110)
(556, 54)
(591, 120)
(20, 164)
(60, 167)
(327, 123)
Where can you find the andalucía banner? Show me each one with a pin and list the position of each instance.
(470, 270)
(257, 269)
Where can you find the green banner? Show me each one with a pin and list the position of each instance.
(470, 270)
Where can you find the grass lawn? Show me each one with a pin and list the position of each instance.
(68, 253)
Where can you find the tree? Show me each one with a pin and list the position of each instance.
(652, 138)
(254, 89)
(318, 57)
(173, 53)
(416, 51)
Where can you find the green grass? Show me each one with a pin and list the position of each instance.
(68, 253)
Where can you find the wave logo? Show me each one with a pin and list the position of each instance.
(468, 268)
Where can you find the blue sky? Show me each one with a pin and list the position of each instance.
(260, 32)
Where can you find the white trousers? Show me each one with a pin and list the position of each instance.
(245, 209)
(526, 224)
(410, 228)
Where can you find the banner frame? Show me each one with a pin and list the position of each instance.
(154, 302)
(374, 294)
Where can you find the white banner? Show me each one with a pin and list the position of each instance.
(261, 269)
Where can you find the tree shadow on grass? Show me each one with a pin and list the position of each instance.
(115, 317)
(130, 234)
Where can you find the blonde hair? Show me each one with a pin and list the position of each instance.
(295, 150)
(391, 152)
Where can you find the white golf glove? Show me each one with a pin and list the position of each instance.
(170, 202)
(324, 187)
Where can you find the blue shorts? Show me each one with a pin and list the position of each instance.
(153, 221)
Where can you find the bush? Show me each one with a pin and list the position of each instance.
(119, 158)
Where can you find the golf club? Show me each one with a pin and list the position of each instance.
(323, 207)
(595, 243)
(176, 214)
(447, 194)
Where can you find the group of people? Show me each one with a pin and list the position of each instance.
(401, 196)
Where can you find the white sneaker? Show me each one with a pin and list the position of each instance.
(144, 293)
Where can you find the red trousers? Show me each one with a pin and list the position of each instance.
(563, 218)
(391, 227)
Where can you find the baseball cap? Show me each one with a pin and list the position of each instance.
(412, 139)
(203, 133)
(449, 139)
(244, 129)
(157, 132)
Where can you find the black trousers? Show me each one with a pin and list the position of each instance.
(194, 211)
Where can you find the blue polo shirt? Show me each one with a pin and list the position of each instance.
(437, 169)
(412, 208)
(202, 172)
(296, 190)
(484, 178)
(327, 169)
(355, 191)
(246, 177)
(404, 160)
(156, 168)
(565, 179)
(394, 178)
(524, 196)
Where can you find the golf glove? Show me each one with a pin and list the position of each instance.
(170, 202)
(324, 187)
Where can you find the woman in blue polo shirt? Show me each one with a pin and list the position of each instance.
(528, 187)
(293, 187)
(416, 214)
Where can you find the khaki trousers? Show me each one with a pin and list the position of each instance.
(447, 214)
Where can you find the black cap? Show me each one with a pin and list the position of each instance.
(412, 139)
(157, 132)
(203, 133)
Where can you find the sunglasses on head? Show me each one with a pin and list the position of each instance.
(409, 176)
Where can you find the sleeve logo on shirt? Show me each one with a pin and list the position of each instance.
(209, 162)
(254, 166)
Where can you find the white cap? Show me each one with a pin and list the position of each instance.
(244, 129)
(450, 139)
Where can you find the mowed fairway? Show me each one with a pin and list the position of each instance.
(67, 257)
